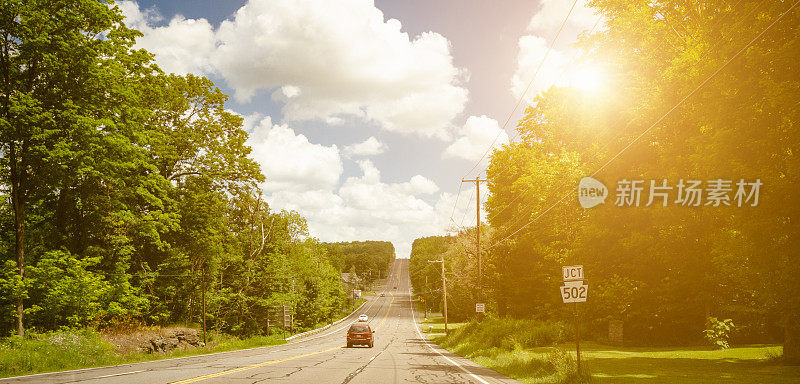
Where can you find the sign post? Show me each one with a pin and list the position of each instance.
(574, 291)
(279, 316)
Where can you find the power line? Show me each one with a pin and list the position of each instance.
(636, 139)
(574, 58)
(469, 202)
(514, 220)
(522, 96)
(456, 204)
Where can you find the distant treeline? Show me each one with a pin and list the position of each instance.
(369, 260)
(125, 193)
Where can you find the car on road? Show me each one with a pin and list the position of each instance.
(360, 334)
(363, 318)
(395, 287)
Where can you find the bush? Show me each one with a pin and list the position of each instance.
(719, 332)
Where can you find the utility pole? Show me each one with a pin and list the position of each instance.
(427, 292)
(204, 304)
(444, 290)
(478, 182)
(577, 338)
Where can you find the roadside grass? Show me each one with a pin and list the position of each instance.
(502, 345)
(59, 351)
(84, 349)
(536, 352)
(435, 326)
(54, 352)
(740, 364)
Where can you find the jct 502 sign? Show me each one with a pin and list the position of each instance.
(574, 292)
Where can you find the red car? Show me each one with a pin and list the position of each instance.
(360, 333)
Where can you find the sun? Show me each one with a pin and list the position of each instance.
(589, 79)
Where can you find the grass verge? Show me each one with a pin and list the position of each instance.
(501, 345)
(536, 352)
(84, 349)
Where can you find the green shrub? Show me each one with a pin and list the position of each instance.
(718, 332)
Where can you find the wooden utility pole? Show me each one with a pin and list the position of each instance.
(478, 182)
(204, 304)
(577, 339)
(444, 290)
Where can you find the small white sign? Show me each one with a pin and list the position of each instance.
(480, 308)
(572, 272)
(574, 292)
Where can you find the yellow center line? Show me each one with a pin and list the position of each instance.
(387, 311)
(249, 367)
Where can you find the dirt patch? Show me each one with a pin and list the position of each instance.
(154, 339)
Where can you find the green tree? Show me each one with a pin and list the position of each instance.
(62, 66)
(695, 262)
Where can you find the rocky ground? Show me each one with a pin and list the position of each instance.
(152, 340)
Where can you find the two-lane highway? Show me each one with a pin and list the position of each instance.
(401, 354)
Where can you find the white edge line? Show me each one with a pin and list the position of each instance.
(429, 344)
(118, 374)
(320, 329)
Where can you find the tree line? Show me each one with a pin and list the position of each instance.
(368, 260)
(127, 193)
(662, 269)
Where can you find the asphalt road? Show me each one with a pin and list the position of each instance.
(401, 355)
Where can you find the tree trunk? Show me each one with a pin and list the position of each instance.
(19, 251)
(791, 332)
(18, 204)
(791, 340)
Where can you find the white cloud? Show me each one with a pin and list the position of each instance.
(552, 12)
(324, 60)
(531, 52)
(182, 46)
(475, 137)
(290, 162)
(306, 177)
(368, 147)
(560, 63)
(366, 208)
(329, 62)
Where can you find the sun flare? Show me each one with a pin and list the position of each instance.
(588, 79)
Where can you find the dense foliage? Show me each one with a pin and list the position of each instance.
(128, 193)
(662, 270)
(461, 273)
(368, 260)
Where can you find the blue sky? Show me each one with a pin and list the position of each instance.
(365, 115)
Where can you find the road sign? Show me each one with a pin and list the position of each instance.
(480, 308)
(574, 292)
(280, 316)
(572, 272)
